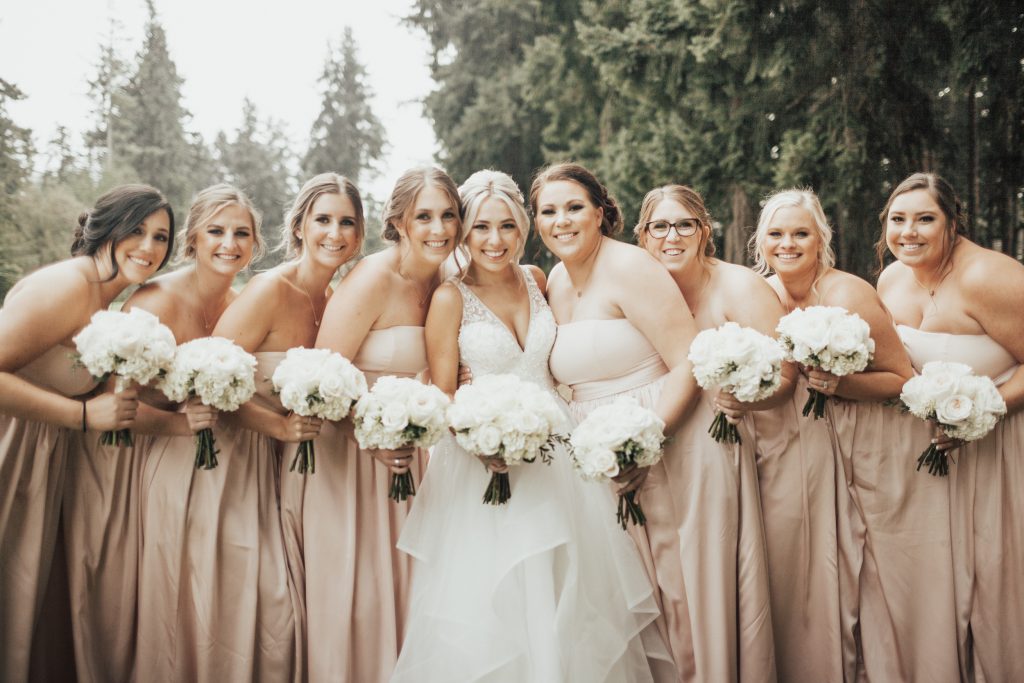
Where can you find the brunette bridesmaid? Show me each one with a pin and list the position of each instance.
(887, 524)
(624, 330)
(356, 580)
(177, 570)
(47, 460)
(795, 465)
(954, 300)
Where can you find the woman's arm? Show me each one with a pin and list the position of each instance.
(890, 369)
(47, 308)
(442, 337)
(994, 290)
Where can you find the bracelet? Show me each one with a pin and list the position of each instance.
(84, 428)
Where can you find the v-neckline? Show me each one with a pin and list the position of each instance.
(511, 332)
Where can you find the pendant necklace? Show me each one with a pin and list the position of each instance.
(312, 308)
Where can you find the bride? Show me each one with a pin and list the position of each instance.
(512, 592)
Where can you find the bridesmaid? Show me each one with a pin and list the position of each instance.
(798, 495)
(122, 241)
(356, 581)
(954, 300)
(276, 311)
(221, 238)
(831, 508)
(614, 292)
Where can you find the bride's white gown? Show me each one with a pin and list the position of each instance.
(544, 588)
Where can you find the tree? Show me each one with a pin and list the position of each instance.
(346, 137)
(149, 130)
(257, 160)
(104, 89)
(16, 153)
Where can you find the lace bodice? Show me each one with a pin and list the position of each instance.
(489, 347)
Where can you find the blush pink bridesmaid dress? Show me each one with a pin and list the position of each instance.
(703, 544)
(341, 530)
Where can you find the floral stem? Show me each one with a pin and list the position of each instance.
(630, 510)
(305, 459)
(936, 460)
(206, 450)
(815, 401)
(402, 486)
(119, 437)
(723, 431)
(499, 490)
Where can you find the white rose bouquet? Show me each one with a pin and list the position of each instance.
(133, 346)
(319, 383)
(828, 338)
(965, 406)
(739, 360)
(504, 416)
(614, 436)
(217, 371)
(399, 412)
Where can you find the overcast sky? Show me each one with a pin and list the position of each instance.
(225, 50)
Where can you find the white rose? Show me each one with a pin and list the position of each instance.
(394, 417)
(954, 410)
(604, 462)
(488, 439)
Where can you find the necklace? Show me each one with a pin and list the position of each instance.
(312, 308)
(586, 280)
(202, 306)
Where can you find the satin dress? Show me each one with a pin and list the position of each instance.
(33, 471)
(216, 601)
(703, 544)
(341, 530)
(987, 516)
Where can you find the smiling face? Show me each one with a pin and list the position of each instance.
(916, 230)
(225, 244)
(141, 253)
(676, 252)
(791, 241)
(432, 225)
(567, 220)
(330, 231)
(493, 239)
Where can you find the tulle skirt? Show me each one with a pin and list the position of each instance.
(545, 587)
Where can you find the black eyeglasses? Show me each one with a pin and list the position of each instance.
(684, 228)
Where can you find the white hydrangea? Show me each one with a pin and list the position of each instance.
(739, 360)
(829, 338)
(966, 406)
(614, 435)
(399, 412)
(135, 346)
(318, 382)
(218, 371)
(506, 416)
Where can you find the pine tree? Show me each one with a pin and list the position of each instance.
(16, 154)
(150, 128)
(257, 160)
(109, 80)
(346, 137)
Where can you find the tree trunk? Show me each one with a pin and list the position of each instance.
(973, 188)
(738, 230)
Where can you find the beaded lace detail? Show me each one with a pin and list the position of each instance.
(489, 347)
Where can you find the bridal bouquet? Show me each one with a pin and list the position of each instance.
(613, 436)
(133, 346)
(220, 373)
(399, 412)
(320, 383)
(828, 338)
(504, 416)
(739, 360)
(965, 406)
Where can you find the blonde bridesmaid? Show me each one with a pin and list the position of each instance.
(277, 310)
(894, 624)
(624, 330)
(221, 237)
(49, 452)
(356, 580)
(954, 300)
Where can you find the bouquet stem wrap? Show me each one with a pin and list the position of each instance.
(206, 450)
